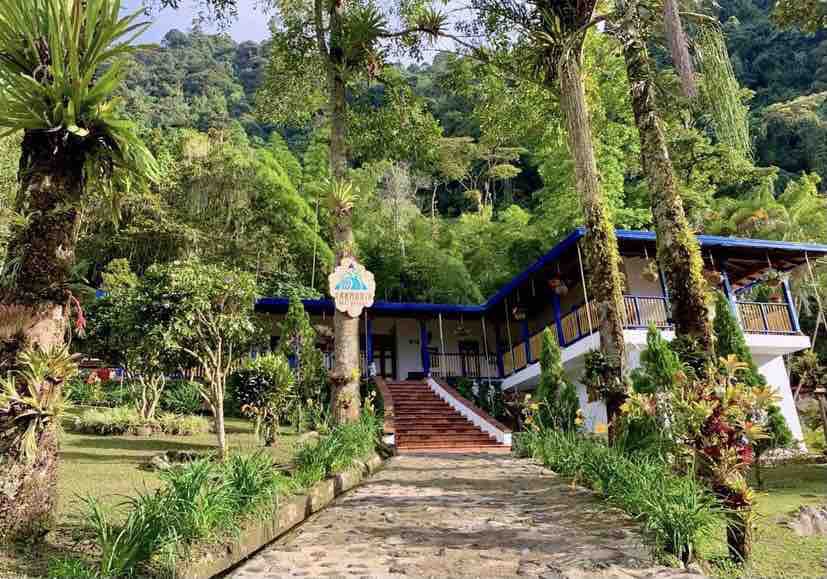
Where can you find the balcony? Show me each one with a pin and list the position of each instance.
(640, 313)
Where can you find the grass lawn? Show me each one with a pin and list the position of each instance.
(778, 551)
(109, 467)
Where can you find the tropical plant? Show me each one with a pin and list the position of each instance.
(559, 404)
(265, 389)
(713, 419)
(31, 405)
(297, 343)
(62, 62)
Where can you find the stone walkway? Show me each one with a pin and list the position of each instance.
(460, 515)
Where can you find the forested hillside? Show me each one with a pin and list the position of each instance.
(464, 176)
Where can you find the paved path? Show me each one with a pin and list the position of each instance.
(454, 515)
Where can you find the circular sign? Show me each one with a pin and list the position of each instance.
(352, 287)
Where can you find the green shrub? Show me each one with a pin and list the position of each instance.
(182, 397)
(70, 567)
(337, 451)
(199, 500)
(186, 425)
(126, 420)
(85, 392)
(263, 388)
(676, 512)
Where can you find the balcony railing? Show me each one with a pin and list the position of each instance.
(469, 365)
(641, 312)
(765, 318)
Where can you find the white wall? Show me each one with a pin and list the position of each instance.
(775, 371)
(636, 284)
(407, 347)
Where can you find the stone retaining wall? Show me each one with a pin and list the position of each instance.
(286, 514)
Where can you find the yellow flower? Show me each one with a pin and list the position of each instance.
(601, 428)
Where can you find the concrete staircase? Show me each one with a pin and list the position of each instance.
(423, 422)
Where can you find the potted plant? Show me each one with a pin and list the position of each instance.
(651, 272)
(558, 286)
(713, 277)
(774, 278)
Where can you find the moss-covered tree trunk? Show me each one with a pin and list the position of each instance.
(602, 257)
(34, 310)
(679, 254)
(345, 403)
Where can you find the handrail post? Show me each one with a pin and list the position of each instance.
(764, 317)
(788, 297)
(577, 321)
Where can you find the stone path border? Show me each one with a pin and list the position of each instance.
(263, 530)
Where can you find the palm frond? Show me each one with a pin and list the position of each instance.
(60, 63)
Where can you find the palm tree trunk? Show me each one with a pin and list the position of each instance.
(679, 254)
(602, 257)
(345, 403)
(39, 260)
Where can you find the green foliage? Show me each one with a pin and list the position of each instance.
(297, 343)
(559, 404)
(730, 340)
(83, 45)
(126, 420)
(182, 397)
(677, 512)
(31, 401)
(809, 15)
(199, 500)
(337, 451)
(265, 390)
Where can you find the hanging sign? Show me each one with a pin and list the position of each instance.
(352, 287)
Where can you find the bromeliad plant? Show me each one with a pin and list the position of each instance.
(31, 404)
(710, 421)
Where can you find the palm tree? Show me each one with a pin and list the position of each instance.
(679, 253)
(60, 62)
(550, 36)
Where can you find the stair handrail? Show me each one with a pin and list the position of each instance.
(471, 411)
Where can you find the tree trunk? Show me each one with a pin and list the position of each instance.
(220, 431)
(39, 259)
(345, 401)
(679, 254)
(602, 257)
(679, 48)
(41, 254)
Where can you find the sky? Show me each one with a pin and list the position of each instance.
(251, 23)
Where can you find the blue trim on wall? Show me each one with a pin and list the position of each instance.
(423, 347)
(558, 318)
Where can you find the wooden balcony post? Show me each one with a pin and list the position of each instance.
(788, 297)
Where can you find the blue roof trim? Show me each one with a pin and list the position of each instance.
(318, 306)
(720, 241)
